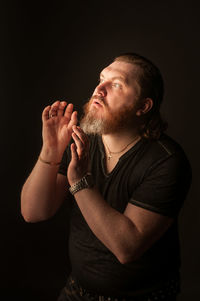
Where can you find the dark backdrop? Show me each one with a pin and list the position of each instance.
(51, 52)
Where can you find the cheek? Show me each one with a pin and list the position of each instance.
(120, 100)
(115, 95)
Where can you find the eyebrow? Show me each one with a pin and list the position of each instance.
(121, 78)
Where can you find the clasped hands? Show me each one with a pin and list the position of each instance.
(59, 126)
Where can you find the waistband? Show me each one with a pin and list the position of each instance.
(169, 290)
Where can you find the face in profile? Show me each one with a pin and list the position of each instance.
(113, 104)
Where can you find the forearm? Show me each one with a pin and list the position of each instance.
(44, 190)
(114, 229)
(38, 196)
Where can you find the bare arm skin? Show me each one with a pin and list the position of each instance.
(126, 235)
(44, 190)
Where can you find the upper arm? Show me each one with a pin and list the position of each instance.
(150, 226)
(156, 201)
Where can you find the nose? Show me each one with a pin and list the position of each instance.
(101, 89)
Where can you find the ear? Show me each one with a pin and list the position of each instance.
(145, 107)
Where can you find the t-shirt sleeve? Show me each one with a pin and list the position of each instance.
(165, 186)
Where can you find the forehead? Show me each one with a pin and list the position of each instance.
(122, 69)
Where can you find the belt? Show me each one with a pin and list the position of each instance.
(161, 294)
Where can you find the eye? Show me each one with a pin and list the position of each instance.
(101, 80)
(117, 85)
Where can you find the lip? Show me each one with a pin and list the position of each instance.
(97, 103)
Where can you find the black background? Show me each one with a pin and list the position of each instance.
(51, 52)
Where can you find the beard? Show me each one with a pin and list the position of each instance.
(96, 123)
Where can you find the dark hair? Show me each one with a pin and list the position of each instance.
(152, 86)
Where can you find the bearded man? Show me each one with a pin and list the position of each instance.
(126, 181)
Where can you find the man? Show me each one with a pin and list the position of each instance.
(126, 181)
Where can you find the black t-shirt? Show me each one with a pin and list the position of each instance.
(154, 175)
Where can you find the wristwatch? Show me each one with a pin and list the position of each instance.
(85, 182)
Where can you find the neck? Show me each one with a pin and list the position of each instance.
(117, 141)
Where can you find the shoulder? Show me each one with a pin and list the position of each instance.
(162, 149)
(163, 160)
(165, 177)
(169, 146)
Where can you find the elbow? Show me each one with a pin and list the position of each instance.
(25, 215)
(29, 217)
(28, 220)
(125, 259)
(33, 215)
(128, 257)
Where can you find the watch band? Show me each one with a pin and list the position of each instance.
(85, 182)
